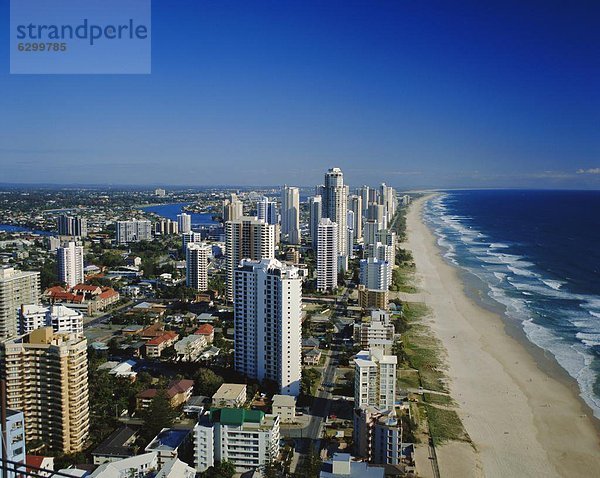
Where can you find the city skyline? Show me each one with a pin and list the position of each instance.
(428, 95)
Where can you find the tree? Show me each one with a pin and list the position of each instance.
(223, 469)
(158, 415)
(207, 382)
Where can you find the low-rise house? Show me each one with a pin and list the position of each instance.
(207, 331)
(312, 357)
(138, 466)
(156, 346)
(36, 464)
(230, 395)
(178, 392)
(190, 348)
(285, 407)
(116, 447)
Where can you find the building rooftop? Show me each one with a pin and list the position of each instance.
(284, 401)
(229, 391)
(117, 443)
(342, 466)
(236, 416)
(205, 329)
(168, 439)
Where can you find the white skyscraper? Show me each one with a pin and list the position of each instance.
(375, 379)
(268, 323)
(315, 209)
(382, 252)
(375, 274)
(184, 221)
(196, 262)
(327, 255)
(266, 210)
(247, 238)
(355, 205)
(133, 231)
(190, 237)
(290, 215)
(70, 264)
(16, 288)
(335, 205)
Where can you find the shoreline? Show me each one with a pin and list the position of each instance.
(516, 403)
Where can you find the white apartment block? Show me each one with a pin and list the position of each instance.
(383, 253)
(133, 231)
(62, 319)
(370, 229)
(266, 211)
(184, 222)
(190, 238)
(375, 274)
(290, 215)
(316, 213)
(16, 288)
(268, 323)
(196, 262)
(247, 438)
(379, 332)
(15, 440)
(355, 205)
(230, 395)
(335, 205)
(247, 238)
(327, 255)
(375, 379)
(69, 260)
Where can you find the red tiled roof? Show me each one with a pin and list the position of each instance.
(34, 460)
(86, 288)
(204, 329)
(54, 290)
(180, 386)
(148, 393)
(107, 294)
(162, 338)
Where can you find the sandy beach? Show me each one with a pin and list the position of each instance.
(523, 423)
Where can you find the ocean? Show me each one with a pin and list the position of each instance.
(535, 255)
(170, 211)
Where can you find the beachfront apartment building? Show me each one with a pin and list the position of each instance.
(327, 255)
(375, 379)
(247, 438)
(47, 378)
(355, 205)
(16, 288)
(378, 332)
(133, 231)
(375, 273)
(62, 319)
(268, 323)
(379, 438)
(196, 262)
(69, 260)
(246, 238)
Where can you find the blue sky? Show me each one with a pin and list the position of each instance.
(419, 94)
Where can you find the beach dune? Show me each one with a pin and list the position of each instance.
(522, 421)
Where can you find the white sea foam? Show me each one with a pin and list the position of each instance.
(554, 284)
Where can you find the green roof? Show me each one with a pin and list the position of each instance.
(235, 416)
